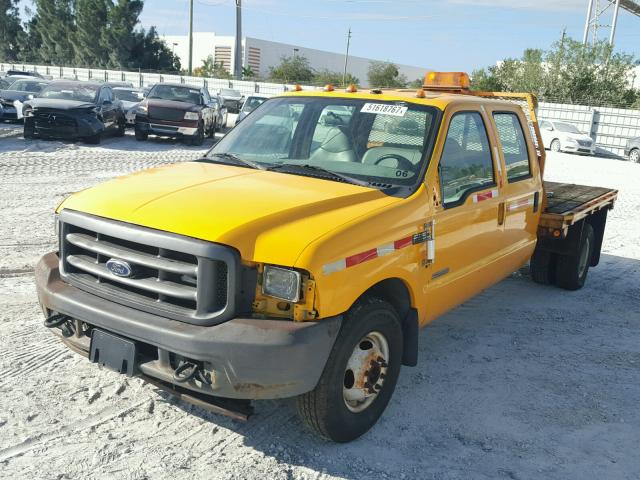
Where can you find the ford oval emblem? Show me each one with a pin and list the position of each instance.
(119, 268)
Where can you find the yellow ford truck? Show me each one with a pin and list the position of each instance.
(300, 256)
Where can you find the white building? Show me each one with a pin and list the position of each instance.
(260, 55)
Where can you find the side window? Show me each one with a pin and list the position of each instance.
(514, 146)
(466, 164)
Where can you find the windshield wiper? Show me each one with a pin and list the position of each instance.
(226, 158)
(314, 168)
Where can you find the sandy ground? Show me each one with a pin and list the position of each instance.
(522, 382)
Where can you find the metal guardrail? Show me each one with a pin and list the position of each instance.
(142, 79)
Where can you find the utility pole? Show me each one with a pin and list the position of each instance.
(237, 70)
(587, 24)
(346, 59)
(615, 23)
(190, 37)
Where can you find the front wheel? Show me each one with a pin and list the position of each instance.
(198, 138)
(140, 135)
(93, 139)
(634, 156)
(122, 127)
(555, 146)
(29, 129)
(360, 375)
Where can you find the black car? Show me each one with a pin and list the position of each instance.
(233, 99)
(179, 111)
(74, 110)
(632, 150)
(12, 98)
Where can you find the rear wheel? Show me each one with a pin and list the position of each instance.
(555, 145)
(634, 156)
(214, 127)
(360, 375)
(543, 267)
(572, 269)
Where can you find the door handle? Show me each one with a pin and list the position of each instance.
(501, 213)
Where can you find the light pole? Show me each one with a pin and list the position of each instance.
(191, 37)
(346, 59)
(237, 70)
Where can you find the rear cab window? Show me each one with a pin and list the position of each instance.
(514, 145)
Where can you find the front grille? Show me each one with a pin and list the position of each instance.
(164, 113)
(585, 143)
(54, 119)
(177, 277)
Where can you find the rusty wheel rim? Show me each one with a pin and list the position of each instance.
(366, 371)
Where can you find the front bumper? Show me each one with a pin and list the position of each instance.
(574, 148)
(163, 130)
(248, 358)
(79, 126)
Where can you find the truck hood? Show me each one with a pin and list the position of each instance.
(269, 217)
(58, 104)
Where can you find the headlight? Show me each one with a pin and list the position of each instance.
(192, 116)
(27, 112)
(142, 109)
(281, 283)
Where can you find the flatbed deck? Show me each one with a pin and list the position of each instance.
(567, 204)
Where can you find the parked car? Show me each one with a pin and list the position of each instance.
(221, 112)
(21, 73)
(13, 98)
(232, 99)
(74, 110)
(250, 104)
(119, 84)
(565, 137)
(176, 110)
(130, 98)
(632, 150)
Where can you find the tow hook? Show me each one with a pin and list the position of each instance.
(54, 321)
(191, 370)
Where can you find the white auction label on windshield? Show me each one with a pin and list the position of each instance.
(385, 109)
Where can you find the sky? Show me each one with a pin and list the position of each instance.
(457, 35)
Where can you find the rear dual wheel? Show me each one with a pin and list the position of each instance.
(360, 375)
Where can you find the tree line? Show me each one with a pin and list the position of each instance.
(83, 33)
(568, 72)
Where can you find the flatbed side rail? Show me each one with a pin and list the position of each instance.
(532, 104)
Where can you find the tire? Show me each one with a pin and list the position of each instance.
(93, 139)
(572, 270)
(198, 138)
(214, 128)
(543, 267)
(29, 131)
(122, 128)
(634, 155)
(330, 409)
(556, 146)
(141, 136)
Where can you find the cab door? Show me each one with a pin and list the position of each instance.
(469, 214)
(522, 188)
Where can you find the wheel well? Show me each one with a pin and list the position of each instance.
(394, 292)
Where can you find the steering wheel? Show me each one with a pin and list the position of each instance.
(403, 162)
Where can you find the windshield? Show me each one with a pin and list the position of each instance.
(128, 95)
(68, 91)
(176, 93)
(380, 143)
(225, 92)
(252, 103)
(567, 128)
(28, 86)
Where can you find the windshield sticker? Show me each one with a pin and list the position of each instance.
(384, 109)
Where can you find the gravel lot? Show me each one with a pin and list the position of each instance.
(522, 382)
